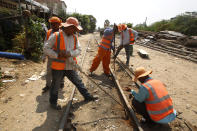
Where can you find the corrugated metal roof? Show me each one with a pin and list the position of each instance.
(46, 9)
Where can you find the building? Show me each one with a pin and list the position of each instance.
(54, 5)
(9, 4)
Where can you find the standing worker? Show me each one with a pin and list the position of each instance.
(63, 47)
(127, 39)
(104, 51)
(55, 22)
(152, 101)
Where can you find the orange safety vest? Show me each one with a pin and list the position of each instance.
(106, 42)
(49, 32)
(159, 103)
(60, 63)
(131, 37)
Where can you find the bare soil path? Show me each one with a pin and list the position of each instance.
(24, 108)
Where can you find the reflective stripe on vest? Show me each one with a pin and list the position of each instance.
(106, 42)
(131, 37)
(60, 64)
(49, 33)
(159, 103)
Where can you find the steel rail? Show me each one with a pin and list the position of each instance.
(128, 71)
(131, 71)
(126, 103)
(123, 97)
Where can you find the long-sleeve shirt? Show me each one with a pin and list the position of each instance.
(69, 44)
(45, 40)
(108, 32)
(143, 94)
(126, 36)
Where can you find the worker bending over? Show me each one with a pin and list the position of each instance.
(104, 51)
(152, 101)
(63, 47)
(127, 39)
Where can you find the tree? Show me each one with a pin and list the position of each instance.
(129, 25)
(185, 23)
(92, 23)
(88, 22)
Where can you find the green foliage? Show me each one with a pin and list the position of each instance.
(19, 43)
(10, 29)
(185, 23)
(35, 35)
(4, 12)
(92, 23)
(130, 25)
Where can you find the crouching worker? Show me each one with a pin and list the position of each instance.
(63, 47)
(152, 101)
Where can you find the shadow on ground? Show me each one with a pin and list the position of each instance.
(51, 122)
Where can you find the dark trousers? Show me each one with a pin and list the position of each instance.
(128, 50)
(72, 76)
(49, 74)
(140, 108)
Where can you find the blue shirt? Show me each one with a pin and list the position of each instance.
(143, 94)
(108, 31)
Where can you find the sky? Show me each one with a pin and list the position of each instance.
(131, 11)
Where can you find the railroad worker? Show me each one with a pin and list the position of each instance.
(127, 39)
(152, 101)
(104, 51)
(63, 47)
(55, 22)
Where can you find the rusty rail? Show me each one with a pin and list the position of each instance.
(126, 103)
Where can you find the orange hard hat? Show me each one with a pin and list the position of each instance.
(123, 26)
(72, 21)
(55, 19)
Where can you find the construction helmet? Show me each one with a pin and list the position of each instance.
(123, 26)
(55, 19)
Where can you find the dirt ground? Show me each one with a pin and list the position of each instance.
(179, 76)
(23, 107)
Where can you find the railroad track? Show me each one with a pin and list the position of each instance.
(188, 55)
(66, 121)
(125, 80)
(118, 102)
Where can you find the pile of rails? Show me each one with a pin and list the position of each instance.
(171, 42)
